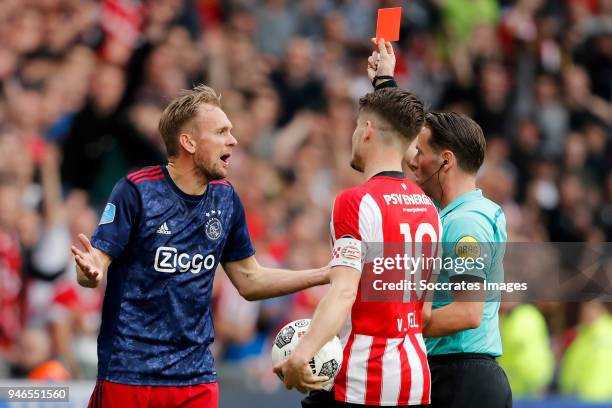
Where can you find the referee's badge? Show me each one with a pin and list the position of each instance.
(467, 247)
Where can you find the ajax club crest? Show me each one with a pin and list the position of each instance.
(213, 226)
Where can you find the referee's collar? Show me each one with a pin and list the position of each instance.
(463, 198)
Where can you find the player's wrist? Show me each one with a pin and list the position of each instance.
(298, 357)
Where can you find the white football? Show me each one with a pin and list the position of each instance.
(326, 361)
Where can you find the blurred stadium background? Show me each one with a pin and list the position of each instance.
(83, 83)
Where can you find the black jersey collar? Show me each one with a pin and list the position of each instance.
(390, 173)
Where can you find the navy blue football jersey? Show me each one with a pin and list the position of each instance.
(157, 317)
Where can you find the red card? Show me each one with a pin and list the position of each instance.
(388, 23)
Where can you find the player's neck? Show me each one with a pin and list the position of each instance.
(455, 188)
(186, 178)
(380, 164)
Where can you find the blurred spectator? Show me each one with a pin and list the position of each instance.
(295, 81)
(492, 102)
(584, 107)
(528, 359)
(12, 308)
(103, 144)
(276, 24)
(461, 16)
(551, 116)
(584, 369)
(33, 358)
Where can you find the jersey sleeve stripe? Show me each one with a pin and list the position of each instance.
(150, 173)
(345, 216)
(149, 178)
(370, 220)
(135, 179)
(144, 171)
(155, 173)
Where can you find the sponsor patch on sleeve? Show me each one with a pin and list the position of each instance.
(467, 247)
(108, 215)
(347, 252)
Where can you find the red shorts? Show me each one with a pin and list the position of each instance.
(112, 395)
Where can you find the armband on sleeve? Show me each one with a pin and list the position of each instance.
(347, 252)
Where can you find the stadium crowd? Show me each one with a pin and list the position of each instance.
(83, 83)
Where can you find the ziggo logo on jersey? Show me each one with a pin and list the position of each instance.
(167, 260)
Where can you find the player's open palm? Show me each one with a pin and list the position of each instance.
(89, 262)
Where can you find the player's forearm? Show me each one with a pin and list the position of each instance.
(255, 282)
(271, 282)
(328, 318)
(453, 318)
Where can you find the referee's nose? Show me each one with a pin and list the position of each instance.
(412, 163)
(410, 156)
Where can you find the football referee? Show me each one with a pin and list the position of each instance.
(463, 331)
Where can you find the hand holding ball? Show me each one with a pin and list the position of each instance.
(326, 362)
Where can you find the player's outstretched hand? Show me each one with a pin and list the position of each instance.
(298, 375)
(382, 61)
(88, 263)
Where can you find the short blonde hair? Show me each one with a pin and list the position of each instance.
(181, 110)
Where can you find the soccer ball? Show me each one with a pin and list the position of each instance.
(326, 362)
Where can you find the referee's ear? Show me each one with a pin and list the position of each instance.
(449, 160)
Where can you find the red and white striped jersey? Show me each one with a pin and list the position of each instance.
(385, 360)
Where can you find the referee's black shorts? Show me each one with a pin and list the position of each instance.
(468, 380)
(325, 399)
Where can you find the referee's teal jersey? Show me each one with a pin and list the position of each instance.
(473, 227)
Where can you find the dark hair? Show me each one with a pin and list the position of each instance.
(181, 110)
(459, 134)
(401, 109)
